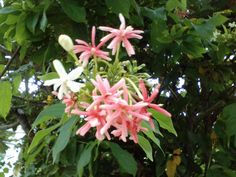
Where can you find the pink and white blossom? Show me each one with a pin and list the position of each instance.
(121, 36)
(111, 112)
(90, 50)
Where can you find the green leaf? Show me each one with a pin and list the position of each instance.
(229, 118)
(2, 67)
(43, 22)
(52, 111)
(84, 158)
(119, 6)
(23, 51)
(218, 20)
(11, 19)
(184, 4)
(21, 32)
(196, 50)
(220, 171)
(7, 10)
(31, 157)
(74, 10)
(172, 4)
(124, 158)
(40, 135)
(48, 76)
(164, 121)
(206, 28)
(149, 133)
(146, 146)
(160, 33)
(5, 98)
(155, 14)
(32, 21)
(16, 83)
(64, 137)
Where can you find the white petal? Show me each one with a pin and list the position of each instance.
(60, 93)
(74, 86)
(75, 73)
(59, 68)
(56, 86)
(51, 82)
(122, 20)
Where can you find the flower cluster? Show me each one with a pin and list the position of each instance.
(118, 109)
(112, 109)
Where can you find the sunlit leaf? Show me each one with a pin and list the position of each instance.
(164, 121)
(5, 98)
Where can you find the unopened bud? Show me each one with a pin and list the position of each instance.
(66, 42)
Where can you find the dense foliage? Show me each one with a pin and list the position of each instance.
(188, 45)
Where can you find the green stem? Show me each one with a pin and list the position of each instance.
(117, 55)
(135, 88)
(95, 66)
(71, 53)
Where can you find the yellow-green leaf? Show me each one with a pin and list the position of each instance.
(5, 98)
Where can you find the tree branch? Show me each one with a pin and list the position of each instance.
(10, 62)
(12, 125)
(35, 102)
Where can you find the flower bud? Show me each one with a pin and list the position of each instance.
(66, 42)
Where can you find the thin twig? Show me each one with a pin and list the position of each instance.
(12, 125)
(10, 62)
(35, 102)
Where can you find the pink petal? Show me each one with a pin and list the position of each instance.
(118, 85)
(129, 48)
(139, 116)
(154, 94)
(143, 89)
(93, 36)
(80, 48)
(78, 41)
(84, 129)
(159, 109)
(105, 28)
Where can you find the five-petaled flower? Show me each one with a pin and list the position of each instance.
(66, 81)
(121, 35)
(87, 51)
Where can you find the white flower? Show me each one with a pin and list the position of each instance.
(66, 42)
(232, 25)
(66, 81)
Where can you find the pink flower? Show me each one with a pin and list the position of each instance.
(125, 118)
(121, 35)
(148, 100)
(94, 118)
(113, 112)
(87, 51)
(70, 102)
(107, 94)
